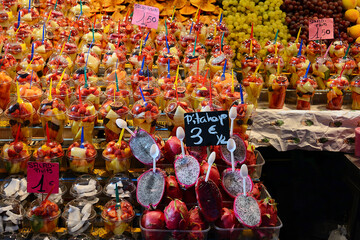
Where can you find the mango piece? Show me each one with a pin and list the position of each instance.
(354, 31)
(352, 15)
(349, 4)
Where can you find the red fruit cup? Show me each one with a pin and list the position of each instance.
(206, 106)
(355, 93)
(186, 39)
(149, 46)
(43, 49)
(62, 92)
(114, 223)
(305, 90)
(314, 49)
(15, 156)
(160, 40)
(43, 216)
(90, 93)
(162, 63)
(9, 64)
(136, 59)
(219, 81)
(277, 90)
(245, 46)
(117, 156)
(297, 66)
(70, 48)
(5, 87)
(82, 115)
(244, 113)
(23, 35)
(110, 111)
(349, 63)
(113, 58)
(170, 92)
(321, 70)
(271, 65)
(175, 111)
(6, 18)
(228, 95)
(61, 62)
(249, 64)
(145, 115)
(151, 91)
(201, 93)
(174, 49)
(190, 63)
(270, 47)
(354, 51)
(123, 93)
(17, 48)
(20, 114)
(27, 77)
(136, 36)
(33, 95)
(173, 26)
(53, 113)
(118, 40)
(217, 61)
(226, 49)
(137, 76)
(12, 5)
(79, 76)
(100, 39)
(193, 81)
(335, 96)
(93, 61)
(30, 16)
(81, 160)
(49, 152)
(199, 50)
(253, 85)
(211, 40)
(338, 49)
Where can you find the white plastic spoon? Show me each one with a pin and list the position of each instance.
(211, 160)
(154, 152)
(244, 174)
(122, 124)
(231, 146)
(232, 116)
(180, 134)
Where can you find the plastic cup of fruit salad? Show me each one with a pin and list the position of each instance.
(49, 152)
(253, 85)
(170, 92)
(297, 66)
(43, 216)
(20, 114)
(112, 221)
(53, 114)
(117, 157)
(305, 90)
(200, 93)
(175, 111)
(145, 115)
(277, 90)
(82, 115)
(335, 95)
(82, 158)
(15, 156)
(62, 92)
(109, 112)
(90, 93)
(152, 91)
(244, 112)
(5, 87)
(227, 96)
(321, 70)
(355, 93)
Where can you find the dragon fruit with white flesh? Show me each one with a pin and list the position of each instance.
(140, 146)
(232, 182)
(150, 188)
(187, 170)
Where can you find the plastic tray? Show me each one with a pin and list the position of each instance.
(164, 234)
(263, 233)
(256, 170)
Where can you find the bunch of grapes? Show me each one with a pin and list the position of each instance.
(266, 16)
(298, 13)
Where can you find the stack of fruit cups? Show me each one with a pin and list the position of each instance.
(337, 85)
(277, 90)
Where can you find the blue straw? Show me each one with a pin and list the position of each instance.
(192, 24)
(32, 73)
(241, 95)
(82, 138)
(86, 84)
(307, 70)
(148, 74)
(168, 68)
(87, 58)
(300, 48)
(117, 82)
(147, 36)
(142, 66)
(32, 52)
(167, 44)
(221, 17)
(142, 95)
(29, 5)
(223, 74)
(43, 35)
(117, 61)
(18, 20)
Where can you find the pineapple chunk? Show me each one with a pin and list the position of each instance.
(78, 152)
(113, 127)
(112, 115)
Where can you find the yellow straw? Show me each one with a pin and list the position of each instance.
(251, 46)
(140, 47)
(197, 11)
(50, 97)
(172, 17)
(278, 67)
(62, 49)
(256, 70)
(276, 50)
(29, 64)
(121, 135)
(19, 100)
(177, 74)
(59, 83)
(232, 80)
(298, 35)
(215, 32)
(219, 15)
(48, 17)
(17, 31)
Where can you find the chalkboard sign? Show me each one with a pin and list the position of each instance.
(206, 128)
(42, 177)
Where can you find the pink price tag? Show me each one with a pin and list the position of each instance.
(145, 16)
(321, 29)
(42, 177)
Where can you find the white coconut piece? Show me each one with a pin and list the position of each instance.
(11, 228)
(1, 225)
(79, 225)
(74, 216)
(4, 209)
(88, 194)
(12, 187)
(85, 188)
(23, 185)
(22, 198)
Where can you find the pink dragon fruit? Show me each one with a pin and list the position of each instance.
(214, 172)
(172, 148)
(187, 170)
(240, 152)
(197, 224)
(189, 195)
(153, 220)
(256, 191)
(247, 211)
(232, 182)
(198, 152)
(268, 212)
(227, 219)
(172, 189)
(176, 215)
(140, 145)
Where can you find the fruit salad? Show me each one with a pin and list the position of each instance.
(70, 48)
(79, 76)
(117, 156)
(245, 46)
(349, 64)
(297, 67)
(117, 218)
(145, 115)
(314, 49)
(49, 151)
(175, 111)
(31, 93)
(82, 115)
(270, 47)
(136, 59)
(201, 93)
(253, 85)
(305, 90)
(321, 70)
(138, 76)
(81, 157)
(293, 48)
(43, 216)
(355, 93)
(277, 90)
(151, 91)
(271, 65)
(52, 113)
(354, 51)
(62, 61)
(27, 77)
(62, 92)
(111, 58)
(249, 64)
(91, 93)
(160, 40)
(217, 61)
(228, 95)
(93, 61)
(162, 63)
(170, 92)
(199, 50)
(193, 81)
(191, 62)
(15, 156)
(338, 49)
(5, 87)
(9, 64)
(244, 113)
(109, 112)
(43, 49)
(17, 48)
(337, 87)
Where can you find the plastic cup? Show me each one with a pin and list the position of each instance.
(16, 48)
(44, 49)
(55, 197)
(321, 70)
(15, 156)
(81, 160)
(244, 113)
(314, 49)
(17, 213)
(20, 114)
(227, 96)
(151, 91)
(335, 95)
(23, 35)
(292, 49)
(193, 81)
(271, 66)
(82, 115)
(205, 106)
(117, 157)
(74, 211)
(30, 16)
(190, 63)
(249, 64)
(33, 94)
(186, 39)
(6, 18)
(111, 58)
(79, 77)
(298, 67)
(145, 115)
(110, 112)
(112, 222)
(270, 47)
(217, 62)
(49, 152)
(37, 64)
(253, 85)
(338, 49)
(5, 86)
(93, 61)
(136, 60)
(201, 93)
(355, 93)
(305, 90)
(138, 77)
(277, 91)
(175, 111)
(62, 92)
(9, 64)
(70, 48)
(349, 63)
(162, 63)
(61, 62)
(160, 40)
(199, 50)
(170, 92)
(86, 186)
(41, 219)
(14, 187)
(90, 94)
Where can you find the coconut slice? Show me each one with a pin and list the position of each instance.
(247, 210)
(150, 188)
(140, 146)
(232, 182)
(187, 170)
(239, 153)
(209, 199)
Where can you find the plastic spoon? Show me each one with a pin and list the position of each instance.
(211, 160)
(154, 152)
(232, 116)
(180, 134)
(244, 174)
(231, 146)
(122, 124)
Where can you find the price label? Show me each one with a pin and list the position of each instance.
(145, 16)
(206, 128)
(42, 177)
(321, 29)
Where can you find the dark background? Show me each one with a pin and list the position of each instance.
(313, 190)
